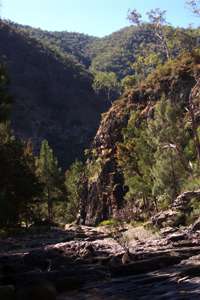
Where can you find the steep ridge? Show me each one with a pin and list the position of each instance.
(53, 99)
(118, 51)
(72, 43)
(105, 185)
(113, 53)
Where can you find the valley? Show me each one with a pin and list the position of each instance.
(99, 161)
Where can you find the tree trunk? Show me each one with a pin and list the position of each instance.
(50, 207)
(155, 203)
(175, 182)
(163, 41)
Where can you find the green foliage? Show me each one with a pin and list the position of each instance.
(19, 185)
(157, 155)
(154, 156)
(75, 45)
(53, 93)
(168, 134)
(106, 84)
(110, 222)
(145, 62)
(74, 185)
(94, 169)
(194, 212)
(135, 156)
(128, 82)
(136, 51)
(18, 182)
(50, 176)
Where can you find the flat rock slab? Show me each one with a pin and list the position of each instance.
(86, 263)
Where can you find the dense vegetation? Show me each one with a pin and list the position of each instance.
(158, 154)
(60, 83)
(130, 53)
(47, 103)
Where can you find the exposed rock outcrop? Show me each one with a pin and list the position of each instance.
(105, 188)
(182, 202)
(166, 266)
(105, 185)
(176, 215)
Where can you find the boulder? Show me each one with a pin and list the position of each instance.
(168, 230)
(168, 218)
(182, 202)
(177, 236)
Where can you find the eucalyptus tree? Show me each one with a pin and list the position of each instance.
(194, 6)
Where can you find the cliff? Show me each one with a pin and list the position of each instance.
(105, 187)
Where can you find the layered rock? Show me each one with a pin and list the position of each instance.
(87, 263)
(176, 215)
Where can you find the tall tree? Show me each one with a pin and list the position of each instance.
(194, 94)
(73, 183)
(195, 6)
(135, 157)
(134, 17)
(168, 135)
(49, 174)
(18, 182)
(157, 20)
(106, 83)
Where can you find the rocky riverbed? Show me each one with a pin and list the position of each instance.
(88, 263)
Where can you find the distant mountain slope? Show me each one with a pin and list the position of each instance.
(52, 82)
(53, 98)
(113, 53)
(72, 43)
(117, 51)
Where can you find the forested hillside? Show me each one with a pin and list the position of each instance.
(61, 82)
(114, 53)
(46, 68)
(53, 96)
(75, 44)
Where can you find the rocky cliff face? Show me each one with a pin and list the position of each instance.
(105, 188)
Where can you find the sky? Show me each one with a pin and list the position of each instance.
(93, 17)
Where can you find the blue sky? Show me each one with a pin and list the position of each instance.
(94, 17)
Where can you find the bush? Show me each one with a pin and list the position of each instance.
(110, 222)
